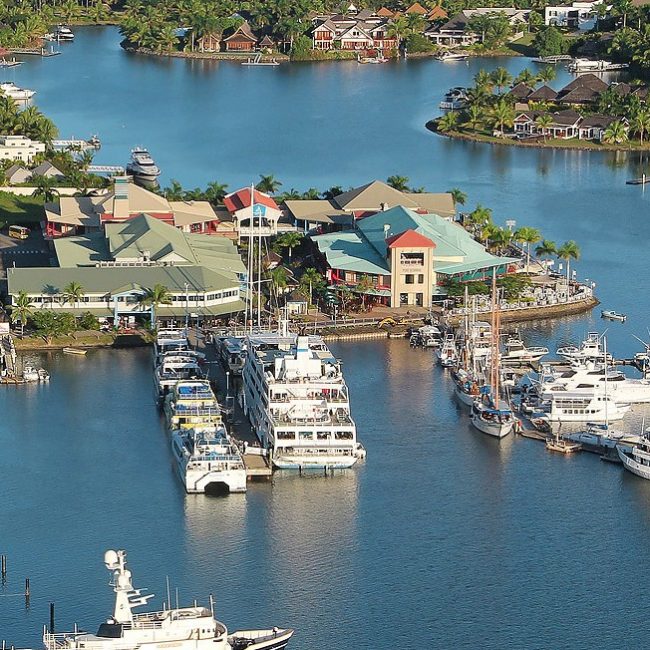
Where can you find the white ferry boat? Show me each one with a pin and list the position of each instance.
(191, 404)
(174, 367)
(142, 165)
(297, 401)
(182, 628)
(9, 89)
(168, 340)
(206, 459)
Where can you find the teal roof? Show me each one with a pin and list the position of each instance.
(350, 252)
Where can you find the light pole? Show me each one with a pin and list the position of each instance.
(187, 306)
(227, 384)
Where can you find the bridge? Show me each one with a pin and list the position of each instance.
(105, 169)
(73, 143)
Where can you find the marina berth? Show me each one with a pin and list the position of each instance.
(297, 401)
(184, 628)
(207, 459)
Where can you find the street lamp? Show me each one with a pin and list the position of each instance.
(187, 306)
(510, 224)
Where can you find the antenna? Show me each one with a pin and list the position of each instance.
(177, 607)
(169, 598)
(211, 598)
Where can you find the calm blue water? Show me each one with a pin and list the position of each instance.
(443, 538)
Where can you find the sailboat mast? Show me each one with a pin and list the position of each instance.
(494, 366)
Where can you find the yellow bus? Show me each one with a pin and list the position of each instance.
(18, 232)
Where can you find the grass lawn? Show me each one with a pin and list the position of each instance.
(20, 209)
(523, 46)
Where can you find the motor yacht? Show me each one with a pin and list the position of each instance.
(142, 165)
(578, 407)
(207, 459)
(637, 458)
(590, 349)
(183, 628)
(455, 99)
(447, 354)
(63, 33)
(517, 352)
(9, 89)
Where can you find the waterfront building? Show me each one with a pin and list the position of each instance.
(454, 32)
(210, 42)
(580, 14)
(48, 170)
(17, 174)
(566, 125)
(19, 147)
(74, 215)
(116, 266)
(341, 211)
(252, 212)
(405, 254)
(362, 32)
(241, 40)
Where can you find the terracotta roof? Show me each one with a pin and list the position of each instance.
(437, 13)
(417, 8)
(409, 239)
(386, 13)
(242, 199)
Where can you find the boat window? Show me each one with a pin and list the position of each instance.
(110, 630)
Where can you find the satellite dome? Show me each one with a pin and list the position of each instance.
(110, 557)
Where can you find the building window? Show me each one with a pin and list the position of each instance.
(421, 278)
(403, 298)
(411, 259)
(409, 279)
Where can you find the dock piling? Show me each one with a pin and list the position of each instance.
(51, 618)
(3, 568)
(27, 590)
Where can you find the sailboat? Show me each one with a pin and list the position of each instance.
(490, 414)
(467, 379)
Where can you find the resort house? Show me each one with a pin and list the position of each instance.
(580, 14)
(19, 147)
(116, 267)
(404, 256)
(362, 32)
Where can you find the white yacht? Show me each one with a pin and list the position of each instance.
(174, 367)
(206, 458)
(63, 33)
(167, 340)
(447, 354)
(637, 458)
(578, 407)
(142, 165)
(191, 404)
(9, 89)
(591, 379)
(183, 628)
(297, 401)
(590, 349)
(233, 354)
(517, 352)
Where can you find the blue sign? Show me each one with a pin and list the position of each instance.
(259, 210)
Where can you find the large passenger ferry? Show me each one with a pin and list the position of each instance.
(297, 401)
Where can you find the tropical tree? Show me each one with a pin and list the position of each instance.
(546, 248)
(615, 133)
(546, 74)
(479, 218)
(501, 78)
(398, 182)
(174, 192)
(44, 187)
(568, 251)
(543, 123)
(268, 184)
(474, 117)
(215, 192)
(21, 310)
(448, 122)
(289, 240)
(483, 79)
(525, 77)
(153, 298)
(311, 280)
(640, 123)
(279, 280)
(527, 235)
(460, 198)
(73, 293)
(503, 114)
(364, 285)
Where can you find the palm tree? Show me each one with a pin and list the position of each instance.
(501, 78)
(268, 184)
(543, 123)
(21, 310)
(398, 29)
(501, 237)
(503, 114)
(525, 77)
(640, 123)
(364, 285)
(527, 235)
(546, 74)
(483, 79)
(399, 183)
(311, 279)
(448, 122)
(546, 248)
(568, 251)
(479, 217)
(460, 198)
(73, 293)
(474, 117)
(175, 191)
(488, 232)
(278, 277)
(289, 241)
(44, 187)
(215, 192)
(615, 133)
(154, 297)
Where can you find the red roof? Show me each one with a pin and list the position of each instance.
(242, 199)
(409, 239)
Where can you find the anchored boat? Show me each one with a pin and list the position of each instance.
(183, 628)
(613, 315)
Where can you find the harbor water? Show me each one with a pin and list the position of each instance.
(442, 538)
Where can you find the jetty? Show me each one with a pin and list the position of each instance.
(105, 169)
(73, 143)
(34, 51)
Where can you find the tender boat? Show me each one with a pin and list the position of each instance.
(449, 56)
(613, 315)
(31, 374)
(447, 354)
(183, 628)
(561, 445)
(142, 165)
(206, 459)
(77, 351)
(637, 458)
(12, 63)
(63, 33)
(9, 89)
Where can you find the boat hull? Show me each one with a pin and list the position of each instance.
(260, 639)
(464, 397)
(494, 429)
(632, 465)
(303, 463)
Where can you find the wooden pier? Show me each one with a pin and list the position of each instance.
(257, 467)
(33, 51)
(105, 169)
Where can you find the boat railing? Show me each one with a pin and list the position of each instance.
(61, 640)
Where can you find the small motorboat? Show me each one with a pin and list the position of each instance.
(563, 446)
(258, 61)
(613, 315)
(448, 56)
(639, 181)
(74, 351)
(63, 33)
(4, 63)
(9, 89)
